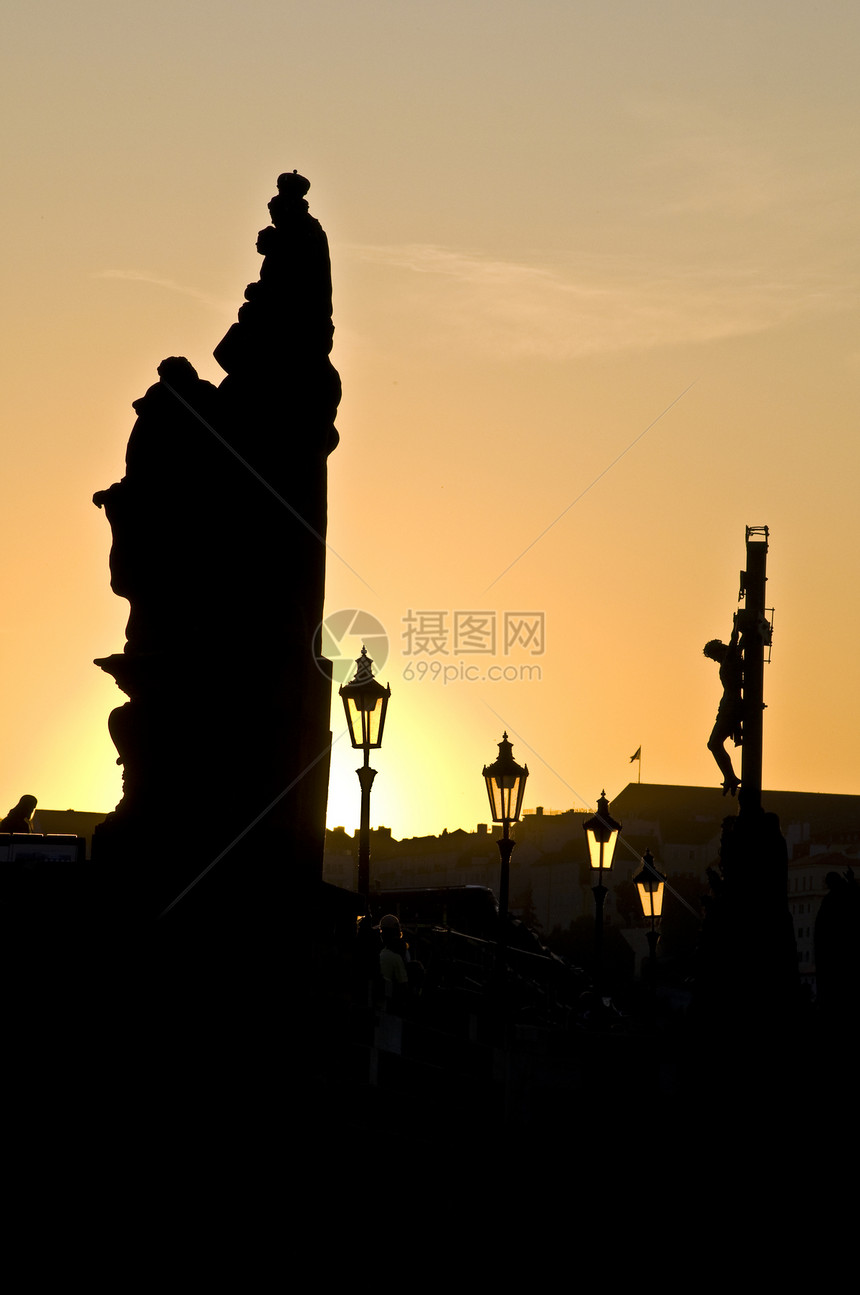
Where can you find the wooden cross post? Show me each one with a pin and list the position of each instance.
(755, 637)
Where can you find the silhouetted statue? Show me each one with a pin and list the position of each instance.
(18, 819)
(730, 713)
(219, 546)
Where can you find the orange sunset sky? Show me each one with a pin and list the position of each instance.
(596, 306)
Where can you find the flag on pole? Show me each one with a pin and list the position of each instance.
(637, 755)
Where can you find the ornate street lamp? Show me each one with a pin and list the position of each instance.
(601, 832)
(365, 703)
(650, 884)
(506, 787)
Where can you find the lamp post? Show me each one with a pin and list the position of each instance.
(365, 703)
(506, 787)
(650, 884)
(601, 832)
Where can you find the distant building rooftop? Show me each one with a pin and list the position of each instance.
(666, 802)
(72, 822)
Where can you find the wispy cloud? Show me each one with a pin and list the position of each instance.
(141, 276)
(472, 302)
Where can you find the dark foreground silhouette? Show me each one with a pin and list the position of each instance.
(219, 546)
(18, 818)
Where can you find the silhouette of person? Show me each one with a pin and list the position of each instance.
(731, 709)
(18, 819)
(392, 955)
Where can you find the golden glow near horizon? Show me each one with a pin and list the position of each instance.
(595, 300)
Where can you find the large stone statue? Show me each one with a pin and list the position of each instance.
(219, 546)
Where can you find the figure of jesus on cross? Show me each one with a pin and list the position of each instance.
(729, 721)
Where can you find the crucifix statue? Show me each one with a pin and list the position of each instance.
(729, 721)
(741, 663)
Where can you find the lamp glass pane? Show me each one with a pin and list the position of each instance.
(365, 714)
(645, 894)
(609, 839)
(505, 792)
(651, 897)
(494, 799)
